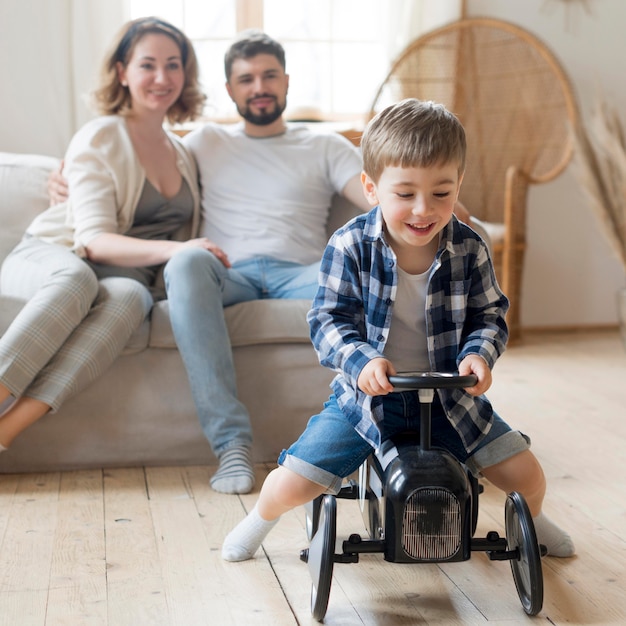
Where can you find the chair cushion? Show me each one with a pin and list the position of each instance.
(495, 232)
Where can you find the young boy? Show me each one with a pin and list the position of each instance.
(406, 287)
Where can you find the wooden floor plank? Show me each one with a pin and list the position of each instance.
(167, 483)
(78, 586)
(136, 593)
(8, 488)
(26, 608)
(182, 556)
(27, 547)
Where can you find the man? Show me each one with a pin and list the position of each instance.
(266, 191)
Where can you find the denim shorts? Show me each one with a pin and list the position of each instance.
(330, 449)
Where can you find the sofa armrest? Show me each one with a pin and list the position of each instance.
(23, 194)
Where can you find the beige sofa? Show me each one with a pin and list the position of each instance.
(141, 411)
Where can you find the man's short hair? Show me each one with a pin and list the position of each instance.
(413, 133)
(249, 44)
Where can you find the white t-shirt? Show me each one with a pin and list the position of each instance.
(270, 196)
(406, 345)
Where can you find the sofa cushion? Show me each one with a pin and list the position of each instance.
(249, 323)
(23, 194)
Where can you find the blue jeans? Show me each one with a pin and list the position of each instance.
(330, 449)
(198, 288)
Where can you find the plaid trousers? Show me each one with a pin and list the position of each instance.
(72, 325)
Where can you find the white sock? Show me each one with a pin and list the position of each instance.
(245, 539)
(2, 448)
(235, 473)
(558, 542)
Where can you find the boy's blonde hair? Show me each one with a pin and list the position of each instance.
(412, 133)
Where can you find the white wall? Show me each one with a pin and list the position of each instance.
(50, 51)
(571, 277)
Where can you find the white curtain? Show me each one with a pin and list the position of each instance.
(51, 52)
(408, 19)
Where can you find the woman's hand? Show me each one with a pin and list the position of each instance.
(206, 244)
(474, 364)
(373, 379)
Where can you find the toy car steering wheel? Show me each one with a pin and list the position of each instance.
(432, 380)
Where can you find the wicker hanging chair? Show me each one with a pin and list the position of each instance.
(517, 106)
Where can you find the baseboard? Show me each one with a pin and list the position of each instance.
(571, 328)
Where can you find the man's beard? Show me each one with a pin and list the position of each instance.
(265, 118)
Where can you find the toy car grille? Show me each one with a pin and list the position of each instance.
(432, 524)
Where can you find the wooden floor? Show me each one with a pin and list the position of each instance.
(141, 547)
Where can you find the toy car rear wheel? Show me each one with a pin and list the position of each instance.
(526, 568)
(321, 557)
(311, 516)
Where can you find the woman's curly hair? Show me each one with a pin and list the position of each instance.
(112, 98)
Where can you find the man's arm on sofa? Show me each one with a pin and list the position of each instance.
(57, 186)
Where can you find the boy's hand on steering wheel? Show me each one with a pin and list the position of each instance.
(373, 379)
(474, 364)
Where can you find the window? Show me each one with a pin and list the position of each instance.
(336, 49)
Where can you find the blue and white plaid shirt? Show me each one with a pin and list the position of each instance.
(352, 310)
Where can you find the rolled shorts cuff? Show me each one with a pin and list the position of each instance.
(504, 447)
(330, 482)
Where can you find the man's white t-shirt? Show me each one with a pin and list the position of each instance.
(270, 196)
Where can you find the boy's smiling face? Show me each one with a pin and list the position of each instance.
(416, 203)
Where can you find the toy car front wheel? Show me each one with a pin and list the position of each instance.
(321, 556)
(526, 568)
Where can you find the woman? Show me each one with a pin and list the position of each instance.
(87, 267)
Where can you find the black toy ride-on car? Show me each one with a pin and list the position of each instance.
(420, 505)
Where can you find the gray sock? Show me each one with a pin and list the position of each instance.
(246, 538)
(558, 542)
(235, 473)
